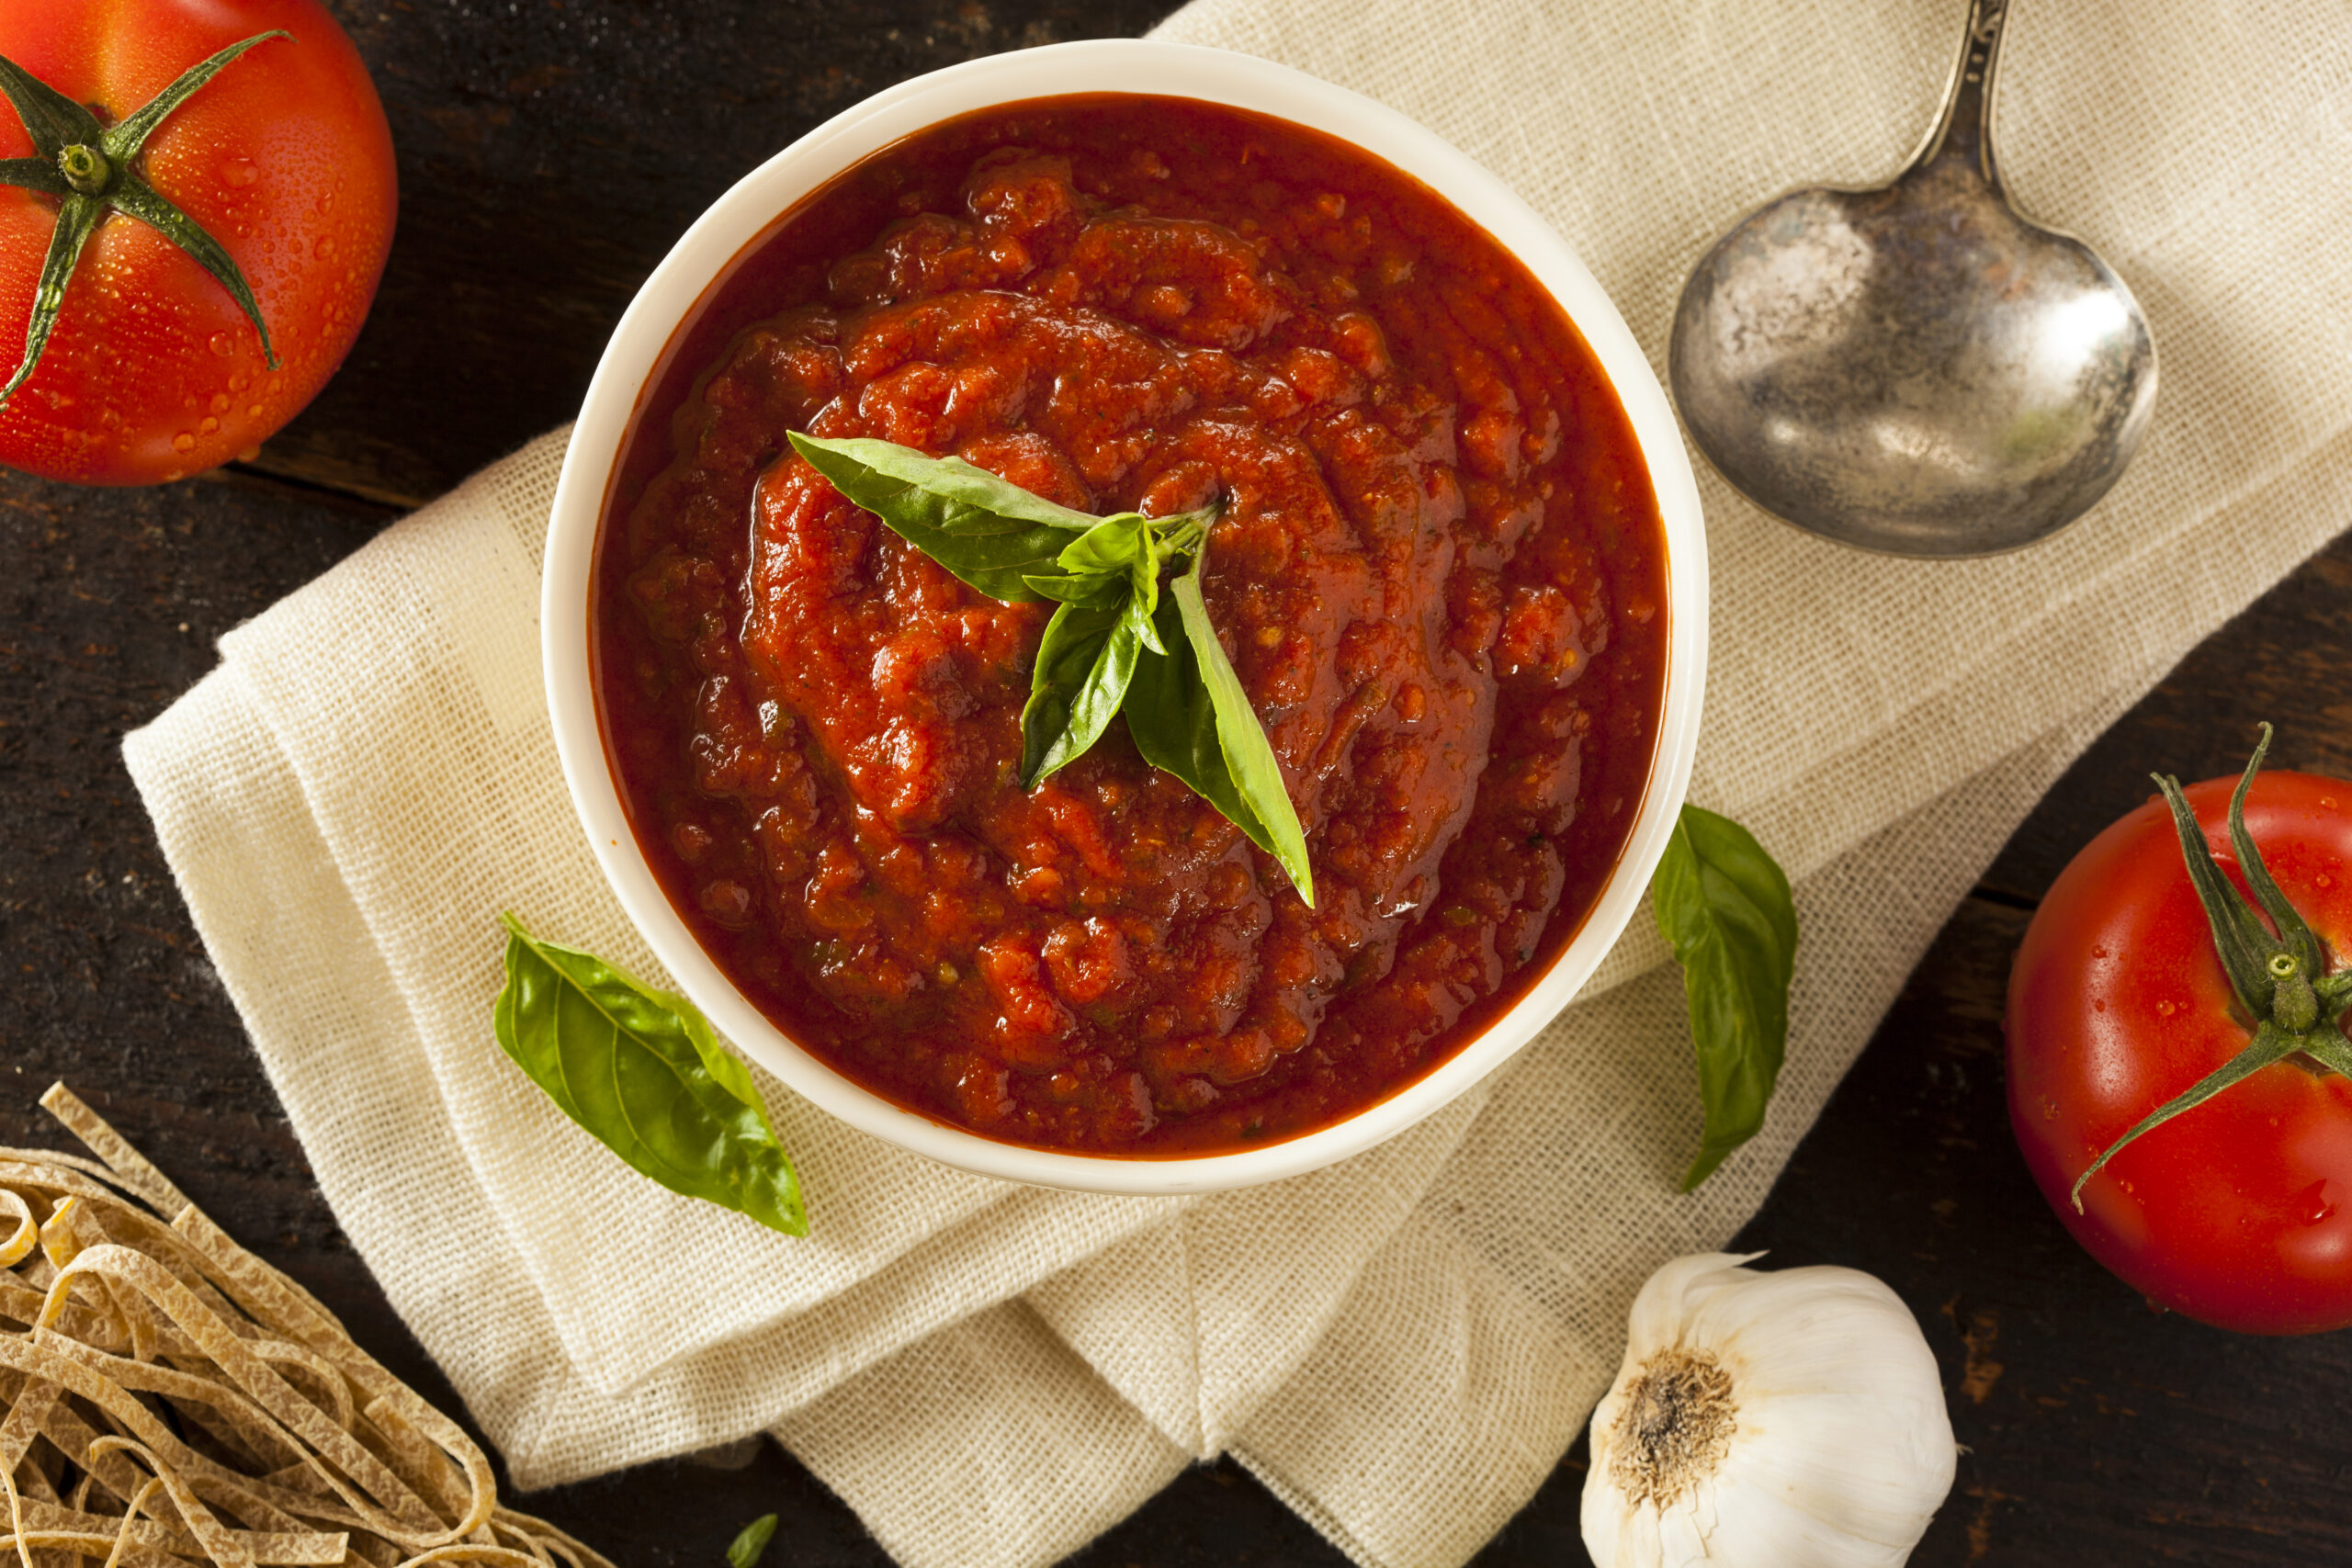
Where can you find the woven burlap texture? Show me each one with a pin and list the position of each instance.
(1402, 1346)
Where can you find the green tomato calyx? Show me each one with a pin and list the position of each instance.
(2277, 966)
(90, 169)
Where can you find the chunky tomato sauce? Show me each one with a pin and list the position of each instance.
(1438, 572)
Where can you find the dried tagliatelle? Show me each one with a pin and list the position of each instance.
(173, 1399)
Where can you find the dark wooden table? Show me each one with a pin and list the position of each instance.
(550, 150)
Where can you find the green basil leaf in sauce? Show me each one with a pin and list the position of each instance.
(1084, 664)
(1096, 590)
(642, 1072)
(1188, 714)
(988, 531)
(1111, 547)
(1172, 720)
(1142, 606)
(1725, 907)
(1116, 645)
(1248, 755)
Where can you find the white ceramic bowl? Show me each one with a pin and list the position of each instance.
(1132, 66)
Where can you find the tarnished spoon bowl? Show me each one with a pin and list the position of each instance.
(1915, 368)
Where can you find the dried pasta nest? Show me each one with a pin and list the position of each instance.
(173, 1399)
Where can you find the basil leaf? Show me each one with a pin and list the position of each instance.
(1141, 604)
(1249, 756)
(988, 531)
(1188, 714)
(642, 1072)
(1113, 545)
(1172, 720)
(1725, 907)
(745, 1550)
(1166, 539)
(1117, 644)
(1084, 664)
(1100, 590)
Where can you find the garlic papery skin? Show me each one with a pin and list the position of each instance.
(1789, 1419)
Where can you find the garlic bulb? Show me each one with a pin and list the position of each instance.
(1785, 1420)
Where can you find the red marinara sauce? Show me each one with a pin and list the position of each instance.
(1439, 572)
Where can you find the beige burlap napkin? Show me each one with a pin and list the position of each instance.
(1401, 1346)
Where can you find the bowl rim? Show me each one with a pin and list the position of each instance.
(1153, 69)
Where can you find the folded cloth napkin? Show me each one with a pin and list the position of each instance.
(1402, 1346)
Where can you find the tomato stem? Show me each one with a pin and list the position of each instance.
(2270, 1043)
(88, 167)
(2294, 1006)
(2294, 932)
(2279, 970)
(85, 169)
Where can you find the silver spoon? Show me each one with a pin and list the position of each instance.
(1915, 368)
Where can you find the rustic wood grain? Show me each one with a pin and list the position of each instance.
(550, 153)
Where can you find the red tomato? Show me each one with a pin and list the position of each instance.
(284, 158)
(2238, 1212)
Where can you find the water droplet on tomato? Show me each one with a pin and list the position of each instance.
(219, 402)
(324, 248)
(253, 412)
(2325, 880)
(249, 454)
(2317, 1201)
(2049, 1108)
(184, 442)
(222, 345)
(208, 426)
(2098, 952)
(2164, 1009)
(239, 173)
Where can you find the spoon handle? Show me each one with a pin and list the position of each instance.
(1963, 131)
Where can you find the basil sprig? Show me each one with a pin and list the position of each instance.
(1725, 907)
(1118, 642)
(642, 1072)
